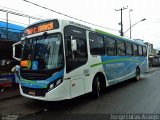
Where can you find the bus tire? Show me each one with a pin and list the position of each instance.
(137, 77)
(96, 87)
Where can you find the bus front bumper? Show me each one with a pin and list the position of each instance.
(57, 94)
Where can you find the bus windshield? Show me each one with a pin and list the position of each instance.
(43, 52)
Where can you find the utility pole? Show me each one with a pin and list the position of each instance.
(121, 9)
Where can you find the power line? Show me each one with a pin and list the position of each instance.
(67, 15)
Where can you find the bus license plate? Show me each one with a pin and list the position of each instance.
(31, 92)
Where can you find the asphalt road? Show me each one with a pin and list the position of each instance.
(129, 97)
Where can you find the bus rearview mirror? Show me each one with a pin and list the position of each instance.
(14, 50)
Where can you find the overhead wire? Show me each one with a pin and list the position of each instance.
(68, 15)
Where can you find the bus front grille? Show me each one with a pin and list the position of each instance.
(34, 76)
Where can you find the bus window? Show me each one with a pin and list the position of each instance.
(81, 51)
(135, 50)
(144, 51)
(96, 44)
(129, 51)
(110, 47)
(77, 58)
(140, 50)
(120, 48)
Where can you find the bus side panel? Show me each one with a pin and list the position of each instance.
(96, 66)
(144, 65)
(120, 68)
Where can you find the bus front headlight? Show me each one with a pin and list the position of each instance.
(58, 82)
(51, 86)
(54, 84)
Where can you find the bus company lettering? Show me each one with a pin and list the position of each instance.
(42, 82)
(114, 66)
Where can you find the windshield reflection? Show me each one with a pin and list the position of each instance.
(44, 52)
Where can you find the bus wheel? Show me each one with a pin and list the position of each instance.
(96, 87)
(137, 77)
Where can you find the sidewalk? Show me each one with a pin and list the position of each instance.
(152, 69)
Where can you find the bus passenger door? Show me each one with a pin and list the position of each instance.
(76, 58)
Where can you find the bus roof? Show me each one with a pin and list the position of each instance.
(116, 36)
(88, 28)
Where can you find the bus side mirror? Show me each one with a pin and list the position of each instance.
(74, 45)
(16, 46)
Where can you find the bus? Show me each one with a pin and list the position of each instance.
(62, 59)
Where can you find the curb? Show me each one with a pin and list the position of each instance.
(151, 71)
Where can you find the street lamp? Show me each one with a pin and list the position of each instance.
(134, 25)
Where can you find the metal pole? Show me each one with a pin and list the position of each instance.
(7, 23)
(121, 9)
(130, 22)
(121, 23)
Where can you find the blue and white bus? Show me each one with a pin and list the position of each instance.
(62, 59)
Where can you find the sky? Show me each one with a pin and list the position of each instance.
(99, 12)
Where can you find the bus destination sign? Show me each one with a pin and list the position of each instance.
(42, 27)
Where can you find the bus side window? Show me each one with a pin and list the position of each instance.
(77, 58)
(110, 46)
(135, 50)
(129, 51)
(97, 46)
(140, 50)
(81, 52)
(121, 48)
(144, 51)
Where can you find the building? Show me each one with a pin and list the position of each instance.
(9, 34)
(154, 59)
(151, 51)
(139, 41)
